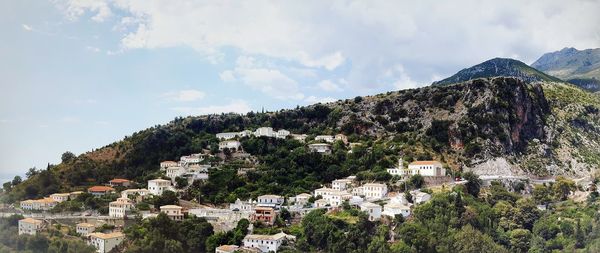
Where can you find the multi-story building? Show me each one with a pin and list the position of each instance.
(60, 197)
(119, 208)
(100, 190)
(176, 171)
(166, 164)
(282, 134)
(322, 148)
(85, 228)
(105, 242)
(264, 131)
(231, 145)
(372, 210)
(270, 200)
(374, 190)
(264, 214)
(227, 136)
(426, 169)
(135, 194)
(38, 204)
(301, 199)
(173, 211)
(341, 184)
(240, 205)
(30, 226)
(158, 186)
(267, 243)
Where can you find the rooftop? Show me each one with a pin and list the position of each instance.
(31, 221)
(369, 205)
(159, 180)
(425, 163)
(270, 196)
(107, 236)
(229, 248)
(99, 188)
(277, 236)
(119, 180)
(85, 225)
(170, 207)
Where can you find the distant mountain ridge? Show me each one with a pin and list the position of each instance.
(579, 67)
(498, 67)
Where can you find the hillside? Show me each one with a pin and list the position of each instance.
(579, 67)
(498, 67)
(499, 125)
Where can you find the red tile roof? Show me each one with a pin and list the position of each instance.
(100, 189)
(119, 180)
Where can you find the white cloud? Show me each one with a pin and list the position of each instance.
(70, 120)
(73, 9)
(184, 95)
(27, 27)
(363, 38)
(236, 106)
(328, 85)
(267, 80)
(314, 100)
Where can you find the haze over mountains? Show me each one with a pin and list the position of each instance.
(580, 67)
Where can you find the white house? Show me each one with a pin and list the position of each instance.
(264, 131)
(85, 228)
(267, 243)
(191, 159)
(173, 211)
(338, 197)
(119, 207)
(299, 137)
(394, 208)
(426, 169)
(420, 197)
(232, 145)
(398, 170)
(134, 194)
(321, 203)
(282, 134)
(227, 136)
(60, 197)
(325, 138)
(176, 171)
(241, 205)
(320, 148)
(373, 210)
(341, 184)
(38, 204)
(374, 190)
(158, 186)
(270, 200)
(106, 242)
(301, 199)
(30, 226)
(167, 164)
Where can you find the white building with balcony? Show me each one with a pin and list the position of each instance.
(30, 226)
(105, 242)
(158, 186)
(267, 243)
(372, 210)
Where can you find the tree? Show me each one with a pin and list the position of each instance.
(542, 194)
(474, 183)
(416, 181)
(181, 182)
(31, 172)
(519, 240)
(16, 180)
(167, 198)
(67, 157)
(562, 188)
(470, 240)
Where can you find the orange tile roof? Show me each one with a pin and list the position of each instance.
(424, 163)
(119, 180)
(31, 220)
(100, 189)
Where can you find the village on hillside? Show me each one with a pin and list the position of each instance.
(104, 232)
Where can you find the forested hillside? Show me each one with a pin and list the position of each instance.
(539, 128)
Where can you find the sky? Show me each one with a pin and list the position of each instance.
(79, 74)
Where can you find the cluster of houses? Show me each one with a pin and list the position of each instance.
(322, 145)
(188, 167)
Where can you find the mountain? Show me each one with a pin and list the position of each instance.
(579, 67)
(498, 67)
(494, 126)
